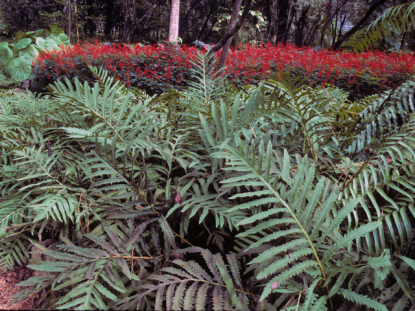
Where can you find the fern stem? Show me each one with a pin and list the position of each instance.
(132, 257)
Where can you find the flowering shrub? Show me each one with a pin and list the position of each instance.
(155, 68)
(152, 68)
(362, 74)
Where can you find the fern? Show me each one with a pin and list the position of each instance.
(363, 300)
(393, 22)
(301, 239)
(210, 198)
(170, 283)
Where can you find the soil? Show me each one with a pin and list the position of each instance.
(8, 288)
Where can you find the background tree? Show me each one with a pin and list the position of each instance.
(300, 22)
(232, 23)
(174, 20)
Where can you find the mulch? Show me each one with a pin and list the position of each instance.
(8, 288)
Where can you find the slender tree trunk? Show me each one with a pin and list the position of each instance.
(233, 30)
(213, 9)
(311, 32)
(174, 20)
(205, 23)
(289, 21)
(184, 28)
(69, 19)
(109, 19)
(126, 13)
(329, 18)
(273, 28)
(232, 23)
(301, 23)
(76, 21)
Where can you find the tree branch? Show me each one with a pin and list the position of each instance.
(358, 26)
(231, 32)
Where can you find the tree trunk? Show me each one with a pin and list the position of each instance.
(126, 13)
(205, 23)
(290, 17)
(69, 19)
(234, 29)
(272, 13)
(281, 20)
(174, 20)
(76, 21)
(232, 23)
(358, 26)
(301, 23)
(109, 19)
(184, 28)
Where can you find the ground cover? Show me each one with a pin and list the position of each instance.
(207, 198)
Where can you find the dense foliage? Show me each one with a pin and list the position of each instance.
(299, 22)
(156, 68)
(390, 27)
(283, 194)
(16, 58)
(278, 196)
(150, 68)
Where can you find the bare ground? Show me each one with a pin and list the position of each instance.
(8, 288)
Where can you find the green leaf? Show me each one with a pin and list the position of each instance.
(20, 68)
(403, 283)
(105, 292)
(349, 237)
(6, 55)
(50, 44)
(41, 43)
(47, 267)
(409, 261)
(30, 52)
(56, 30)
(363, 300)
(64, 39)
(21, 44)
(229, 285)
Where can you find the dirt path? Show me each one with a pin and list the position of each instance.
(8, 280)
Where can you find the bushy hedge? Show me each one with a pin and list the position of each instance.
(152, 68)
(156, 68)
(362, 74)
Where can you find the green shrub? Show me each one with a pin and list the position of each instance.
(282, 196)
(160, 67)
(16, 58)
(149, 68)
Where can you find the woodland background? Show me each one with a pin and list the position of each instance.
(300, 22)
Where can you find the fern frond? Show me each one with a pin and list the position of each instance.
(12, 250)
(183, 276)
(394, 21)
(363, 300)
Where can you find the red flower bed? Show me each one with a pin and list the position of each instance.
(364, 73)
(154, 68)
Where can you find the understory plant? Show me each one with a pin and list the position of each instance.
(278, 197)
(16, 58)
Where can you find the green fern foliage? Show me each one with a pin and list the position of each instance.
(394, 21)
(275, 197)
(186, 284)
